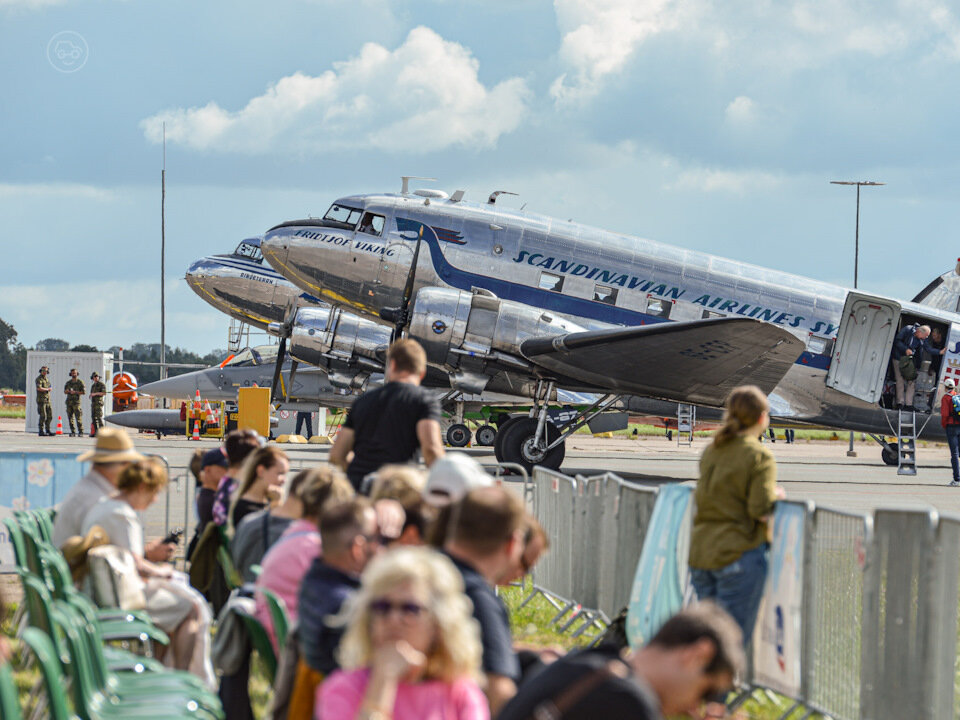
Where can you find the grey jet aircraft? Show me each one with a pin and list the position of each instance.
(509, 299)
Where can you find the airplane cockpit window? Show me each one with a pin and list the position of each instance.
(262, 355)
(549, 281)
(605, 294)
(658, 307)
(242, 359)
(372, 224)
(249, 250)
(347, 217)
(707, 314)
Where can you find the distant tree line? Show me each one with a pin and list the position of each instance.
(13, 357)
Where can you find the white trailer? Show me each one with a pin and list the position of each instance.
(60, 364)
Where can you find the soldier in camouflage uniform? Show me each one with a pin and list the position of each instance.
(44, 410)
(97, 393)
(74, 389)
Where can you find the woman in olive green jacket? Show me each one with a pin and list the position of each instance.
(735, 496)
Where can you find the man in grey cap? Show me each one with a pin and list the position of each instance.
(112, 453)
(950, 420)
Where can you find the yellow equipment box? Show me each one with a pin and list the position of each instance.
(253, 409)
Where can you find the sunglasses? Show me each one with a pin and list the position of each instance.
(407, 610)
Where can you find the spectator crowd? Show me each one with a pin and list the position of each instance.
(388, 574)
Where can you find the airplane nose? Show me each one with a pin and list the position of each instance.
(183, 386)
(274, 249)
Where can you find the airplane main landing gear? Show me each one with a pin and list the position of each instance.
(890, 454)
(534, 440)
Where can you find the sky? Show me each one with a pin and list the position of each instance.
(711, 125)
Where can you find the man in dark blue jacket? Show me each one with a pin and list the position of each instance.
(909, 342)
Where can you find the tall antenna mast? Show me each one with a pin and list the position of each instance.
(163, 253)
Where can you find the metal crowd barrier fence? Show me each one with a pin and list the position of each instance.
(834, 612)
(553, 505)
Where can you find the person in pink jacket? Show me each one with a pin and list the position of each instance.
(285, 564)
(411, 650)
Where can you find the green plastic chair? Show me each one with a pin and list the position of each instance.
(278, 615)
(9, 700)
(94, 702)
(31, 541)
(16, 539)
(134, 685)
(44, 524)
(261, 643)
(50, 670)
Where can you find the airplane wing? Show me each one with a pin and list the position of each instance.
(698, 361)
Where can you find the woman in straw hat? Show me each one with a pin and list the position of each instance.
(171, 603)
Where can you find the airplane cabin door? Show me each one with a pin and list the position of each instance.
(864, 341)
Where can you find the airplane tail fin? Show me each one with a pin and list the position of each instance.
(943, 292)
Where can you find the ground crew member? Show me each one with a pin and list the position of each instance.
(74, 389)
(44, 410)
(97, 393)
(951, 426)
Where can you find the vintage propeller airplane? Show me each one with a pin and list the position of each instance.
(509, 301)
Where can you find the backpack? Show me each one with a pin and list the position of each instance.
(908, 370)
(955, 406)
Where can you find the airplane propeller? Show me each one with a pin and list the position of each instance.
(401, 316)
(283, 331)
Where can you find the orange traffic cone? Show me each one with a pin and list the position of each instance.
(209, 413)
(59, 425)
(196, 430)
(196, 401)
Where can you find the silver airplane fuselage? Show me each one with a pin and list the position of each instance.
(242, 286)
(594, 278)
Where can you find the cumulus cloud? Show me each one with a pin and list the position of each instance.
(600, 37)
(55, 191)
(422, 97)
(737, 182)
(741, 111)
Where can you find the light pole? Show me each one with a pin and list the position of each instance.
(856, 254)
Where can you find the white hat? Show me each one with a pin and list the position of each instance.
(949, 384)
(453, 476)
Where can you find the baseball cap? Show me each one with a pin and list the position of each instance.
(949, 384)
(213, 457)
(453, 476)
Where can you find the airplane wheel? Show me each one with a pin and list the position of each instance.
(517, 445)
(891, 454)
(486, 435)
(458, 435)
(498, 440)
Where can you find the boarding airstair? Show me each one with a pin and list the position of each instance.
(686, 420)
(907, 442)
(238, 335)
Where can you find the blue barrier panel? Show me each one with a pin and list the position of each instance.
(662, 577)
(29, 481)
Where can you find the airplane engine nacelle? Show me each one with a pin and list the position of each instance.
(320, 335)
(465, 331)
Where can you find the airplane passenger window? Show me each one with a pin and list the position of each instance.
(605, 294)
(343, 215)
(372, 224)
(659, 308)
(549, 281)
(819, 345)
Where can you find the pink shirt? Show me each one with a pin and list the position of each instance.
(339, 698)
(283, 568)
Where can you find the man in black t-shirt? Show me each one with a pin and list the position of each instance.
(690, 662)
(389, 424)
